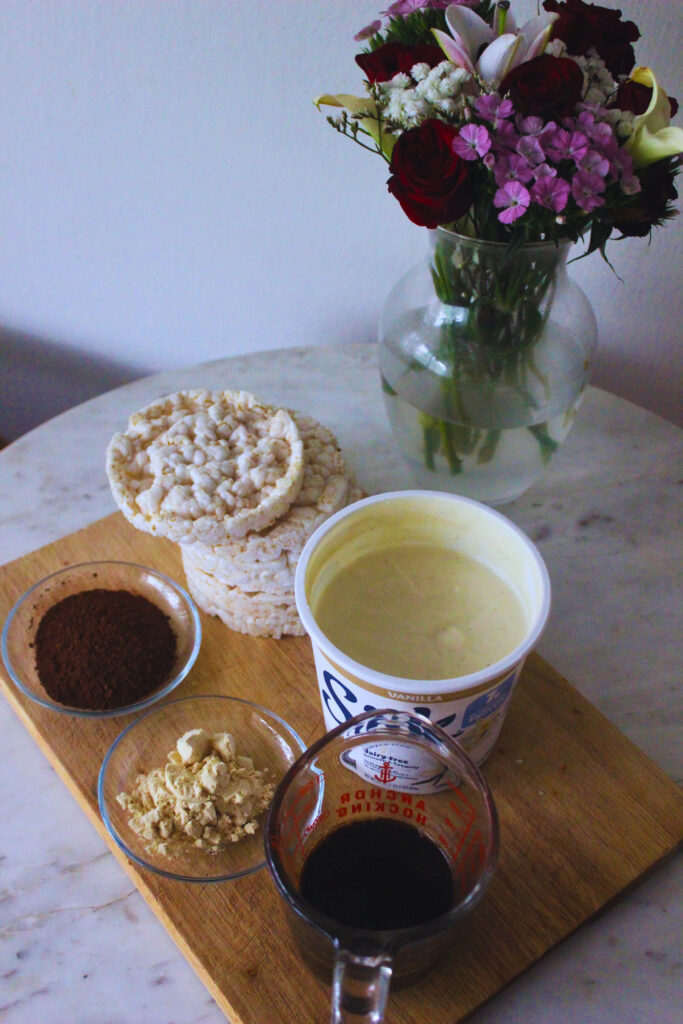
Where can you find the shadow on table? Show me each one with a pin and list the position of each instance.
(40, 379)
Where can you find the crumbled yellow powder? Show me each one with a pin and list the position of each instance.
(206, 796)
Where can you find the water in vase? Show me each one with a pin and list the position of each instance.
(487, 438)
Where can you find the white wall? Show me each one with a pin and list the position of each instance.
(169, 194)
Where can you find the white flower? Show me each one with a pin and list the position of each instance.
(420, 71)
(478, 48)
(403, 105)
(594, 97)
(599, 84)
(556, 48)
(436, 93)
(444, 80)
(401, 81)
(620, 120)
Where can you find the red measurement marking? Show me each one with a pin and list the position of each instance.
(473, 860)
(465, 815)
(460, 804)
(293, 820)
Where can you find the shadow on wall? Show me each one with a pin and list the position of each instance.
(652, 387)
(39, 379)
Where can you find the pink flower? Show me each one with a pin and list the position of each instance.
(594, 162)
(402, 8)
(531, 125)
(585, 120)
(544, 171)
(512, 200)
(601, 133)
(586, 189)
(531, 149)
(553, 193)
(512, 168)
(630, 185)
(506, 136)
(564, 145)
(623, 162)
(471, 142)
(491, 107)
(368, 31)
(622, 167)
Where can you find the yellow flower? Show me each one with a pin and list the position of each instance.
(653, 138)
(364, 111)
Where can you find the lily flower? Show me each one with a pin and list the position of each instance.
(490, 52)
(653, 138)
(364, 111)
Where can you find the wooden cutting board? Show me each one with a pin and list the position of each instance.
(584, 815)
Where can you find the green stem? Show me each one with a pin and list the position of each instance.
(454, 463)
(431, 437)
(494, 311)
(548, 444)
(488, 449)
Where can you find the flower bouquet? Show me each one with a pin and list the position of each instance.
(509, 143)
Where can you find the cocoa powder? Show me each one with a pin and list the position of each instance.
(103, 649)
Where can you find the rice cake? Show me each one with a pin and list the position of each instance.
(254, 613)
(203, 466)
(324, 490)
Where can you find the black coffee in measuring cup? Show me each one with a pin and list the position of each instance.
(377, 866)
(378, 874)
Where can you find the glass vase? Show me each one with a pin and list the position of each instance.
(484, 356)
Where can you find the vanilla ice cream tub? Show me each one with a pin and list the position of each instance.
(384, 534)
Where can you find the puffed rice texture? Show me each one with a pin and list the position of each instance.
(204, 466)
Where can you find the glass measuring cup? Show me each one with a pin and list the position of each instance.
(380, 838)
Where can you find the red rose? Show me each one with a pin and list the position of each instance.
(386, 61)
(651, 206)
(635, 96)
(581, 26)
(430, 181)
(546, 86)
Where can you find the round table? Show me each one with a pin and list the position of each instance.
(78, 939)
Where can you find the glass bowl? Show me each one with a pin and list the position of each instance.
(259, 734)
(22, 624)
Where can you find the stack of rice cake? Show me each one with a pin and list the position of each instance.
(241, 486)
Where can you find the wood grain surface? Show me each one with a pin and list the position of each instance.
(584, 815)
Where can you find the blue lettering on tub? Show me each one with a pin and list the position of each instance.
(443, 722)
(337, 697)
(489, 702)
(342, 704)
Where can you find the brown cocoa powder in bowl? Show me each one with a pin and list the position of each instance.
(103, 649)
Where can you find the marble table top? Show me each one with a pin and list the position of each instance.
(78, 942)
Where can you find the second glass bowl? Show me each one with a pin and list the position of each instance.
(260, 734)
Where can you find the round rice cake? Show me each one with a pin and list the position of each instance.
(203, 466)
(326, 487)
(268, 561)
(355, 492)
(277, 552)
(269, 574)
(276, 576)
(257, 613)
(326, 479)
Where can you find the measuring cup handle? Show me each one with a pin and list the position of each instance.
(360, 986)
